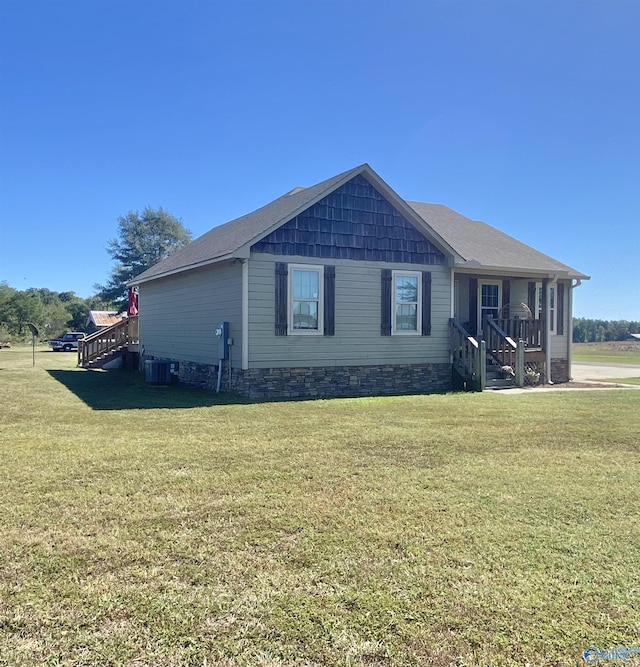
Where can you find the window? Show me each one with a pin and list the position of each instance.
(407, 315)
(552, 308)
(306, 299)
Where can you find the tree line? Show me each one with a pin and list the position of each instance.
(52, 312)
(600, 331)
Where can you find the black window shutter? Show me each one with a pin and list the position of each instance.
(426, 303)
(560, 309)
(473, 304)
(385, 303)
(506, 299)
(329, 300)
(531, 300)
(282, 275)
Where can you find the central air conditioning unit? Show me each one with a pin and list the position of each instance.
(157, 371)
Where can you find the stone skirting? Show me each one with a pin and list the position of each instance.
(322, 381)
(559, 371)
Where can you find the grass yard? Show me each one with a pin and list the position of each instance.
(635, 381)
(614, 352)
(159, 526)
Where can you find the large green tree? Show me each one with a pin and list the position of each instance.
(144, 239)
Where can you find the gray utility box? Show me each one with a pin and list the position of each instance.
(157, 371)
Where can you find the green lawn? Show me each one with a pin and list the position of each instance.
(618, 352)
(622, 380)
(159, 526)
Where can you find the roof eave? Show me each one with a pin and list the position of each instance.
(239, 254)
(473, 266)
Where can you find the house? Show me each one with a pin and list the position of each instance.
(346, 289)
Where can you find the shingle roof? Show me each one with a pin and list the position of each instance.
(230, 237)
(469, 242)
(482, 245)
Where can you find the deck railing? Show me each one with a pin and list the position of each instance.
(468, 356)
(528, 331)
(107, 340)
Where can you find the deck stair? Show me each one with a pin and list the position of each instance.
(102, 360)
(108, 344)
(491, 361)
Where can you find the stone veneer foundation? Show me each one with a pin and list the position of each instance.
(322, 381)
(559, 370)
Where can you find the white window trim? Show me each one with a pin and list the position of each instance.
(552, 324)
(306, 332)
(418, 329)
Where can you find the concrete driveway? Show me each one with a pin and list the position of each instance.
(588, 370)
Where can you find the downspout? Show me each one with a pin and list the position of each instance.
(452, 311)
(245, 314)
(453, 293)
(570, 339)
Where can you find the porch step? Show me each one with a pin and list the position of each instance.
(499, 383)
(104, 359)
(495, 378)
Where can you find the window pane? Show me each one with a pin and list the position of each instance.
(305, 284)
(305, 315)
(490, 296)
(406, 317)
(406, 289)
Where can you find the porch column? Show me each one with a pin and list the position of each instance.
(546, 290)
(569, 309)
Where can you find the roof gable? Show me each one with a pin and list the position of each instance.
(354, 222)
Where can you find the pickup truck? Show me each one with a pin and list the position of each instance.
(67, 342)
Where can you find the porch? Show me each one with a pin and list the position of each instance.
(508, 353)
(508, 330)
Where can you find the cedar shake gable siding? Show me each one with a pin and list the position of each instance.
(353, 222)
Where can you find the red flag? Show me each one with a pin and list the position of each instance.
(132, 310)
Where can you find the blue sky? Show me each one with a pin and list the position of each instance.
(523, 114)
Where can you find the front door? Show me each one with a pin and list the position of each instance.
(489, 297)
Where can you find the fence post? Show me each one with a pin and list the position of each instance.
(481, 368)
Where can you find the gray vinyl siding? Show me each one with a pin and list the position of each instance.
(519, 294)
(179, 314)
(357, 339)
